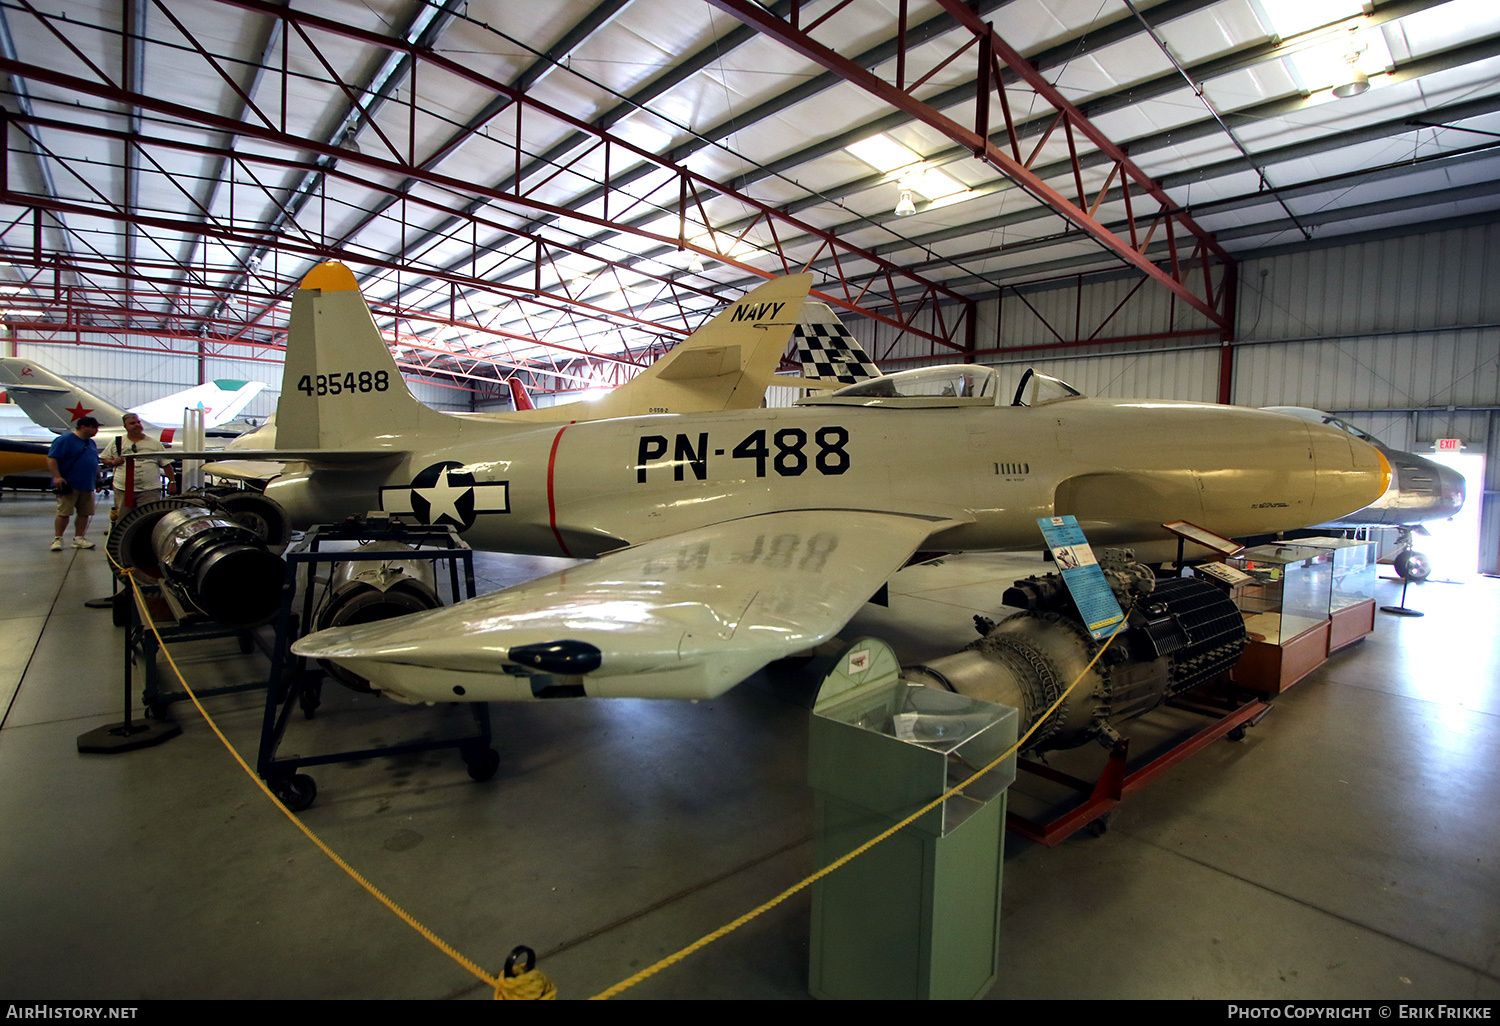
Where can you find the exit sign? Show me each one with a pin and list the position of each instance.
(1450, 445)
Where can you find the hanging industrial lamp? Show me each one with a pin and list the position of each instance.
(1357, 81)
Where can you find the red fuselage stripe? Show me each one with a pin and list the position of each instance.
(551, 502)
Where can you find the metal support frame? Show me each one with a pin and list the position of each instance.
(1118, 781)
(157, 698)
(862, 281)
(293, 685)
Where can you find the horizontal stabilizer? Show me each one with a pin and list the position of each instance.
(244, 470)
(683, 364)
(342, 459)
(34, 389)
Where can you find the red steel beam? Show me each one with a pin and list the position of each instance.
(758, 17)
(407, 166)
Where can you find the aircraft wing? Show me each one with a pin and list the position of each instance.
(687, 616)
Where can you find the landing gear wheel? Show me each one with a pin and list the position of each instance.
(296, 792)
(482, 764)
(1412, 566)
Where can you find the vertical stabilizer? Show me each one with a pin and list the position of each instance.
(519, 398)
(340, 388)
(51, 401)
(827, 351)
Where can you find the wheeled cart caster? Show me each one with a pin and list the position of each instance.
(296, 792)
(482, 763)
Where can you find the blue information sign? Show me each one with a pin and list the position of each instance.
(1080, 572)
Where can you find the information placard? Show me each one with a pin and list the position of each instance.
(1081, 573)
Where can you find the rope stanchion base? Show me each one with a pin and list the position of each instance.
(127, 737)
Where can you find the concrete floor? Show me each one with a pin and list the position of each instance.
(1346, 849)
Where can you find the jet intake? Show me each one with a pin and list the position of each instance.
(1183, 634)
(371, 589)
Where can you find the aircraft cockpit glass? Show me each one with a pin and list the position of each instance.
(956, 385)
(1363, 436)
(1038, 389)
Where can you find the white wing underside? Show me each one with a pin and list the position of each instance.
(682, 617)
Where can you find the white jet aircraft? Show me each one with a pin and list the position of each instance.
(55, 403)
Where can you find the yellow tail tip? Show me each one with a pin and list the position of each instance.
(330, 276)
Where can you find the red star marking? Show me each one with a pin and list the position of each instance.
(78, 410)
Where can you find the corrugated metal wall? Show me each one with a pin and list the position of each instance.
(1400, 336)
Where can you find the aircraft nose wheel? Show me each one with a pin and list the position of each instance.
(296, 792)
(1412, 566)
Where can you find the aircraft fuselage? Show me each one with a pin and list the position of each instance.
(1124, 466)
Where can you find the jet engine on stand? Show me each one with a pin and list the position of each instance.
(204, 557)
(366, 590)
(1181, 633)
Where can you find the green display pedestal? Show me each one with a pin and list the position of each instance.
(918, 915)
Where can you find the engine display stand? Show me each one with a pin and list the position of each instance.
(174, 626)
(1117, 780)
(294, 684)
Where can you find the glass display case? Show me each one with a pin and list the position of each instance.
(1287, 605)
(1354, 571)
(1289, 593)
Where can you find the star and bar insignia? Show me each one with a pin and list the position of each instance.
(445, 493)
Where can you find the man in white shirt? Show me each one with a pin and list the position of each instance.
(147, 472)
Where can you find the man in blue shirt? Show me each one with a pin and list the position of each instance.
(73, 459)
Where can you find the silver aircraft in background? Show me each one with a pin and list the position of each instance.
(1421, 490)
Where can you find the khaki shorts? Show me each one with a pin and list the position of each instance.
(76, 502)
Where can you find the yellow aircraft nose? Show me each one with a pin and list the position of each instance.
(1351, 473)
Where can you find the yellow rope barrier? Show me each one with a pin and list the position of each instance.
(530, 984)
(722, 931)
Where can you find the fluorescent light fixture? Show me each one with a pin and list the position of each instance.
(883, 153)
(1291, 17)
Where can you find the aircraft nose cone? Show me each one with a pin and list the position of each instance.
(1451, 490)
